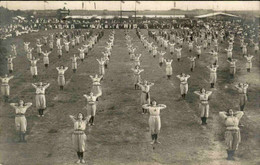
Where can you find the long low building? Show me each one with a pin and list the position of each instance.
(217, 14)
(125, 17)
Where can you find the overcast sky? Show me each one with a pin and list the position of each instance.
(130, 5)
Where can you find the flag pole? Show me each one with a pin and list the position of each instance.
(135, 11)
(120, 11)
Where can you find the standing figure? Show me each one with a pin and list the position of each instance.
(86, 49)
(229, 54)
(29, 53)
(244, 49)
(192, 63)
(137, 60)
(145, 96)
(137, 77)
(96, 86)
(61, 78)
(205, 44)
(59, 51)
(79, 138)
(10, 65)
(204, 104)
(101, 66)
(256, 47)
(58, 42)
(232, 134)
(77, 40)
(232, 66)
(46, 58)
(107, 58)
(215, 57)
(249, 62)
(45, 40)
(178, 53)
(33, 67)
(73, 42)
(154, 119)
(198, 50)
(39, 49)
(161, 57)
(20, 120)
(242, 90)
(51, 45)
(26, 46)
(184, 84)
(81, 54)
(154, 51)
(5, 88)
(67, 46)
(172, 48)
(40, 97)
(74, 63)
(91, 107)
(190, 46)
(213, 74)
(13, 49)
(168, 63)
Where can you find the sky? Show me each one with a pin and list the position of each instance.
(130, 5)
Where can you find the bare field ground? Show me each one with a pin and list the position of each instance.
(121, 134)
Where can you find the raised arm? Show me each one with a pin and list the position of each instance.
(237, 86)
(239, 114)
(58, 69)
(86, 96)
(178, 76)
(73, 118)
(187, 76)
(46, 86)
(145, 106)
(11, 77)
(151, 84)
(197, 93)
(209, 93)
(66, 68)
(223, 115)
(140, 71)
(35, 86)
(14, 105)
(162, 106)
(27, 105)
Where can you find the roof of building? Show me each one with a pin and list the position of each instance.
(215, 14)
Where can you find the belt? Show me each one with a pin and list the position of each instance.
(145, 92)
(78, 132)
(61, 74)
(5, 84)
(40, 93)
(91, 103)
(242, 93)
(204, 101)
(232, 128)
(96, 84)
(154, 115)
(19, 114)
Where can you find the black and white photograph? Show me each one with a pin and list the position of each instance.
(129, 83)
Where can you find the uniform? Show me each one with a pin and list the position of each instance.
(232, 133)
(61, 77)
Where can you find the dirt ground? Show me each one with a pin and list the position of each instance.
(121, 134)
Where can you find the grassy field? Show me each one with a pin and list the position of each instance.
(121, 134)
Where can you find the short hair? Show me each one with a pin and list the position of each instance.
(83, 117)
